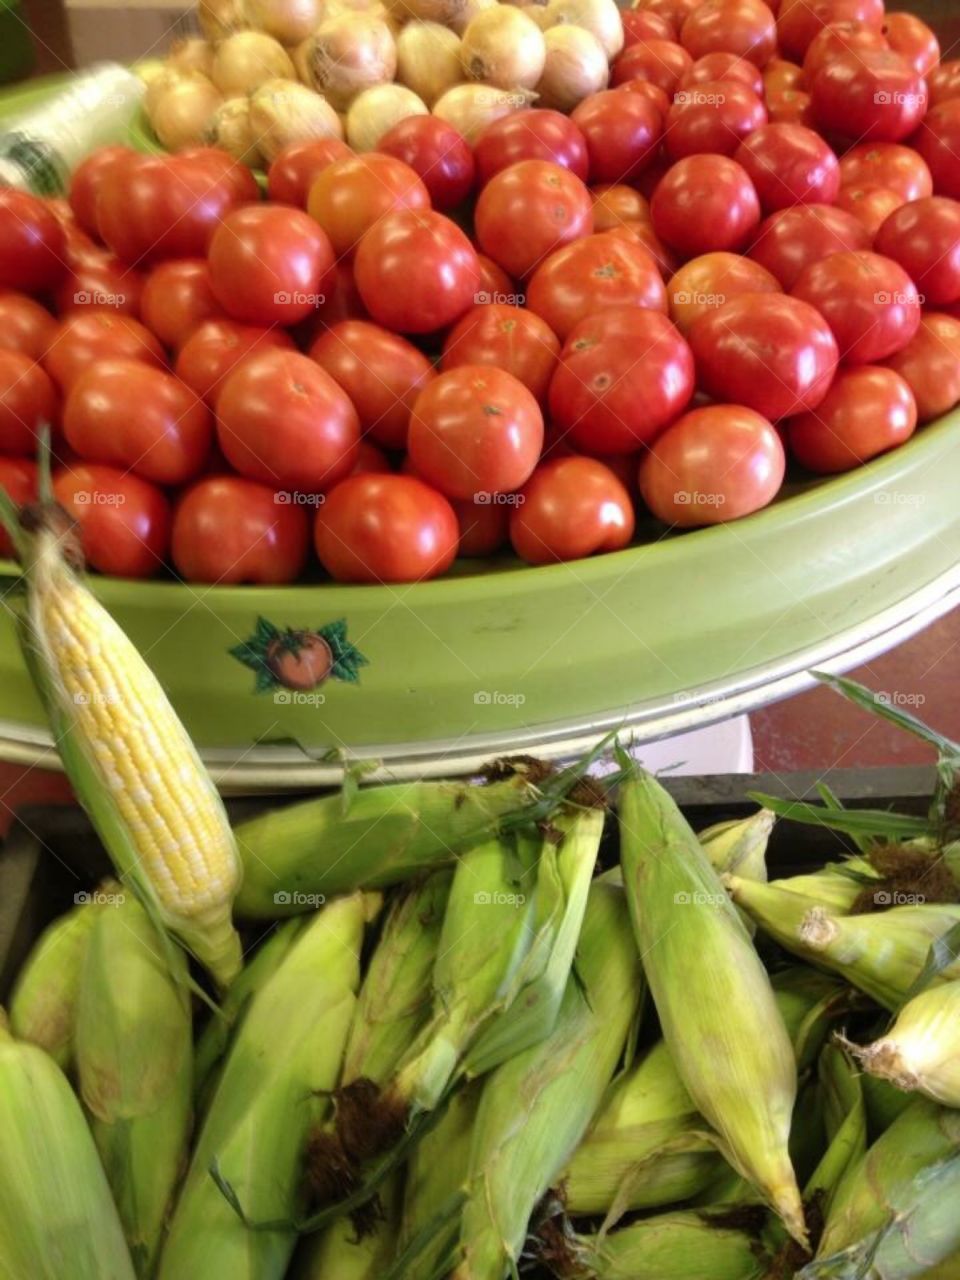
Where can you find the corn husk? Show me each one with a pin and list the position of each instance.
(44, 998)
(713, 995)
(740, 845)
(884, 1103)
(921, 1052)
(341, 1253)
(836, 887)
(845, 1121)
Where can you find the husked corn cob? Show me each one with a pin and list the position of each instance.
(740, 846)
(44, 998)
(57, 1218)
(921, 1051)
(713, 995)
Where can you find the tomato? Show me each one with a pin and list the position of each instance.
(572, 507)
(87, 337)
(869, 302)
(840, 37)
(770, 352)
(869, 205)
(711, 281)
(869, 94)
(744, 27)
(943, 82)
(283, 420)
(662, 62)
(653, 93)
(416, 271)
(18, 480)
(25, 326)
(593, 274)
(705, 203)
(622, 131)
(938, 142)
(779, 76)
(616, 205)
(537, 134)
(642, 234)
(924, 238)
(886, 164)
(713, 117)
(127, 414)
(293, 172)
(228, 530)
(495, 285)
(215, 347)
(100, 280)
(86, 179)
(527, 211)
(438, 154)
(351, 194)
(28, 401)
(623, 375)
(508, 338)
(800, 21)
(218, 165)
(723, 66)
(32, 243)
(484, 527)
(908, 35)
(124, 521)
(791, 107)
(641, 24)
(675, 11)
(792, 239)
(930, 365)
(790, 165)
(380, 372)
(341, 301)
(867, 411)
(376, 528)
(370, 459)
(177, 298)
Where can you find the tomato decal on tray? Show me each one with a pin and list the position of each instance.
(299, 659)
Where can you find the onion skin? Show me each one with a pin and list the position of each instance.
(192, 54)
(288, 21)
(285, 111)
(505, 48)
(231, 129)
(375, 111)
(576, 67)
(221, 18)
(601, 17)
(247, 60)
(182, 113)
(446, 12)
(428, 59)
(350, 53)
(471, 107)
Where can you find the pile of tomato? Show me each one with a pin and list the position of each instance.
(745, 251)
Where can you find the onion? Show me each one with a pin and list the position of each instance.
(428, 59)
(471, 107)
(375, 111)
(576, 66)
(165, 79)
(348, 54)
(181, 113)
(285, 111)
(461, 20)
(504, 47)
(288, 21)
(191, 55)
(445, 12)
(231, 130)
(221, 18)
(601, 17)
(247, 60)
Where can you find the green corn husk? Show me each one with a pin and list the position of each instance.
(837, 886)
(845, 1120)
(339, 1253)
(884, 1103)
(713, 995)
(134, 1057)
(275, 1087)
(740, 846)
(57, 1218)
(535, 1108)
(921, 1051)
(43, 1001)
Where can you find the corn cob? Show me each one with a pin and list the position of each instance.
(129, 758)
(44, 998)
(275, 1086)
(535, 1108)
(920, 1051)
(57, 1219)
(340, 1253)
(740, 846)
(714, 998)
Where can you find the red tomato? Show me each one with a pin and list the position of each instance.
(25, 326)
(906, 34)
(18, 480)
(713, 465)
(475, 430)
(484, 526)
(283, 420)
(616, 205)
(438, 154)
(177, 299)
(85, 183)
(675, 11)
(124, 521)
(712, 118)
(86, 337)
(639, 24)
(508, 338)
(125, 413)
(744, 27)
(352, 194)
(381, 373)
(527, 211)
(28, 401)
(930, 365)
(705, 203)
(293, 172)
(886, 164)
(869, 205)
(537, 134)
(221, 166)
(416, 271)
(32, 244)
(268, 264)
(662, 62)
(837, 38)
(790, 165)
(341, 301)
(791, 107)
(869, 94)
(779, 76)
(591, 275)
(642, 234)
(943, 82)
(924, 237)
(228, 530)
(376, 528)
(653, 93)
(215, 347)
(792, 239)
(770, 352)
(624, 374)
(371, 459)
(867, 411)
(704, 284)
(938, 142)
(100, 280)
(622, 130)
(723, 66)
(799, 21)
(572, 507)
(495, 285)
(869, 302)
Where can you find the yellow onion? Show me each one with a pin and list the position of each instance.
(230, 129)
(428, 59)
(288, 21)
(221, 18)
(443, 11)
(300, 57)
(180, 114)
(375, 111)
(350, 53)
(503, 47)
(601, 17)
(576, 66)
(247, 60)
(158, 82)
(471, 107)
(193, 54)
(468, 11)
(285, 111)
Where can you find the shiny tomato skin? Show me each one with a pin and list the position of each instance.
(228, 530)
(713, 465)
(25, 325)
(100, 280)
(800, 21)
(704, 204)
(943, 82)
(871, 206)
(86, 337)
(435, 151)
(747, 28)
(724, 66)
(590, 275)
(221, 167)
(792, 239)
(85, 181)
(840, 37)
(32, 244)
(284, 421)
(527, 211)
(381, 373)
(908, 35)
(215, 347)
(653, 93)
(617, 205)
(495, 286)
(711, 281)
(416, 271)
(712, 118)
(572, 507)
(662, 62)
(124, 521)
(378, 529)
(871, 95)
(508, 338)
(886, 164)
(770, 352)
(924, 237)
(177, 298)
(867, 411)
(793, 106)
(869, 301)
(622, 132)
(643, 234)
(484, 527)
(536, 134)
(938, 142)
(779, 76)
(18, 480)
(352, 194)
(676, 12)
(788, 165)
(930, 365)
(624, 375)
(28, 401)
(643, 24)
(292, 173)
